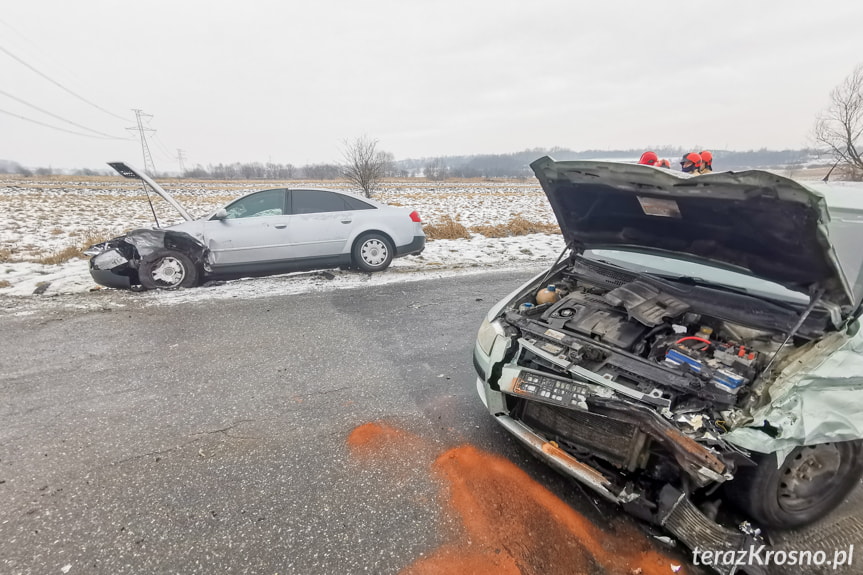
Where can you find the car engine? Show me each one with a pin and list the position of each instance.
(652, 341)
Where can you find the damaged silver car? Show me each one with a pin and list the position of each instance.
(263, 233)
(694, 355)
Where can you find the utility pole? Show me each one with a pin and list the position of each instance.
(180, 159)
(149, 166)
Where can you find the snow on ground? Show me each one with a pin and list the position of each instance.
(42, 217)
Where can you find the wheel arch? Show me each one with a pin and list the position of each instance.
(362, 234)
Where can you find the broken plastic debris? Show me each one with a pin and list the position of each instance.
(664, 539)
(66, 568)
(675, 568)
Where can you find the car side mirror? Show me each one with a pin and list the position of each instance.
(220, 214)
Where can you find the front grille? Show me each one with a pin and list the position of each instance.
(618, 442)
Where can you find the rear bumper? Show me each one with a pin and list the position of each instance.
(416, 247)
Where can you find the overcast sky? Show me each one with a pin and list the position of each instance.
(290, 81)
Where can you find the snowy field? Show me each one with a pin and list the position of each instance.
(42, 217)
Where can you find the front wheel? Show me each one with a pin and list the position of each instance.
(167, 269)
(373, 253)
(811, 482)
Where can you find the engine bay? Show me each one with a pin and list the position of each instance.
(662, 347)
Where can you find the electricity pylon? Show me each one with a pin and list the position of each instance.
(149, 166)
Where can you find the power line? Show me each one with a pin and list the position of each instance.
(56, 83)
(8, 95)
(163, 149)
(57, 127)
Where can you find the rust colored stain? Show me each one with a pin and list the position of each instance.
(510, 524)
(373, 436)
(553, 449)
(379, 441)
(696, 449)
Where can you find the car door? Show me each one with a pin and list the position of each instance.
(255, 231)
(320, 223)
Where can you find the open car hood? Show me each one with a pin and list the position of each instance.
(753, 222)
(127, 171)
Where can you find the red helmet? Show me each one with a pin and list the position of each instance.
(664, 164)
(648, 159)
(707, 158)
(690, 162)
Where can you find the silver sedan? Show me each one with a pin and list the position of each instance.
(263, 233)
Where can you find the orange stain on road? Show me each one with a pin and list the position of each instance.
(511, 524)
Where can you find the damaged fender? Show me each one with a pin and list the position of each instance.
(818, 399)
(115, 262)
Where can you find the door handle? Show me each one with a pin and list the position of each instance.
(280, 226)
(346, 221)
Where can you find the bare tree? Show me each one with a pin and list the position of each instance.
(435, 170)
(366, 165)
(840, 125)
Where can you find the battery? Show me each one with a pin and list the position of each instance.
(676, 358)
(727, 380)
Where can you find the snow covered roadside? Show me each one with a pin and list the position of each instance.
(32, 285)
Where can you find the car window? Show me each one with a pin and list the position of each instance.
(316, 201)
(257, 205)
(357, 204)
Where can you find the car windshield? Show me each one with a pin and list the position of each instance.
(677, 268)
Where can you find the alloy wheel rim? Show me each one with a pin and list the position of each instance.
(169, 272)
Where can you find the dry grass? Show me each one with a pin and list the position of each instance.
(88, 238)
(448, 229)
(6, 254)
(61, 256)
(517, 226)
(4, 284)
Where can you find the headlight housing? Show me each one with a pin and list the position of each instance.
(488, 332)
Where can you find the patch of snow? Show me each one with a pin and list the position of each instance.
(41, 217)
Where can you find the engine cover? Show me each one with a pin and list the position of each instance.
(592, 317)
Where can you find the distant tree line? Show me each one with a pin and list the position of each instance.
(517, 165)
(485, 166)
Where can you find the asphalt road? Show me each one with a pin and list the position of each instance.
(212, 437)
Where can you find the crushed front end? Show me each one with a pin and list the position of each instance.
(114, 263)
(629, 383)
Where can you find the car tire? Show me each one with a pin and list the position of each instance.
(811, 482)
(372, 253)
(167, 269)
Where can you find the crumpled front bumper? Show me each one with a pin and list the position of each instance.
(111, 268)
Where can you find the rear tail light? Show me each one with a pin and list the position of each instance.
(415, 217)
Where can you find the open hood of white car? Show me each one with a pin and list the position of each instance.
(127, 171)
(755, 222)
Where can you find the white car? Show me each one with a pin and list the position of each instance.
(263, 233)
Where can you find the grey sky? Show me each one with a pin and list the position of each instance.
(289, 81)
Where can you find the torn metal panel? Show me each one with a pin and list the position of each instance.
(817, 399)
